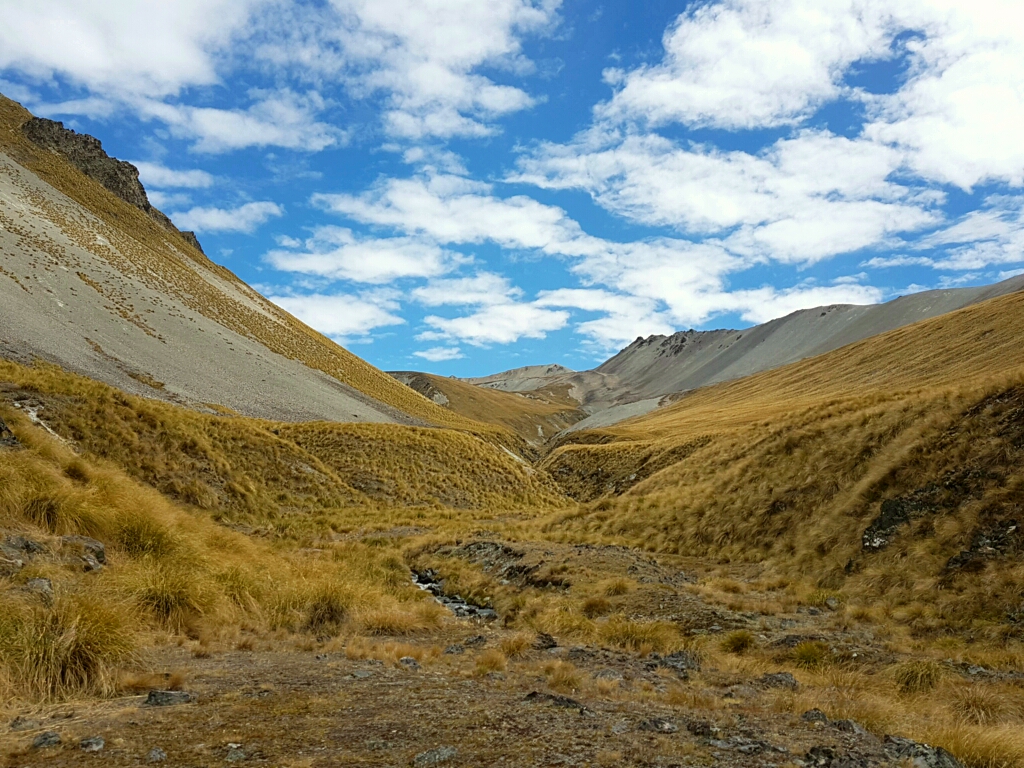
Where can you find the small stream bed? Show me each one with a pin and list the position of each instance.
(429, 581)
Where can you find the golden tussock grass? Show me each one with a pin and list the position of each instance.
(563, 676)
(169, 569)
(491, 660)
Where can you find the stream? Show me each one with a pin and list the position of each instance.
(429, 581)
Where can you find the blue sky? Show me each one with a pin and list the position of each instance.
(463, 186)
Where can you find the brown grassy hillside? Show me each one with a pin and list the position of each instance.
(534, 416)
(792, 466)
(271, 475)
(163, 260)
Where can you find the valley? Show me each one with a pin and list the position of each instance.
(798, 544)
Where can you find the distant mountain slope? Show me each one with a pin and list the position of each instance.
(107, 288)
(534, 416)
(637, 379)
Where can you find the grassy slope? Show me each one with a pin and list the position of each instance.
(523, 414)
(156, 255)
(272, 475)
(792, 466)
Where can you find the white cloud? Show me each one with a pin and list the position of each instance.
(119, 47)
(336, 253)
(497, 324)
(280, 119)
(440, 354)
(340, 316)
(803, 199)
(161, 177)
(750, 63)
(422, 55)
(244, 218)
(165, 200)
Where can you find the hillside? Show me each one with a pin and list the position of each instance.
(637, 379)
(535, 416)
(110, 289)
(893, 468)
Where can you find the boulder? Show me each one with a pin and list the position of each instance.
(919, 755)
(168, 698)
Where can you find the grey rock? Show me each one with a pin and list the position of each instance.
(435, 756)
(455, 649)
(361, 674)
(701, 728)
(41, 587)
(235, 755)
(92, 744)
(409, 662)
(850, 726)
(779, 680)
(168, 698)
(7, 438)
(9, 564)
(475, 642)
(536, 697)
(544, 642)
(658, 725)
(23, 724)
(22, 544)
(45, 740)
(93, 552)
(681, 661)
(832, 604)
(156, 755)
(620, 727)
(921, 755)
(814, 716)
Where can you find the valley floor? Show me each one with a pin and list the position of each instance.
(472, 693)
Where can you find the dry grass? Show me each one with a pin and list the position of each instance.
(491, 660)
(563, 676)
(738, 641)
(517, 645)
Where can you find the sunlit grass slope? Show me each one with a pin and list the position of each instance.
(169, 570)
(165, 261)
(792, 466)
(274, 475)
(535, 416)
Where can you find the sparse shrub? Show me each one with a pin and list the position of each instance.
(918, 676)
(594, 607)
(738, 641)
(811, 654)
(517, 645)
(491, 660)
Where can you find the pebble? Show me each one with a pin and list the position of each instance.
(156, 755)
(45, 740)
(435, 756)
(92, 744)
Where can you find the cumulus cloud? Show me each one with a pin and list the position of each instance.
(338, 254)
(497, 324)
(341, 316)
(440, 354)
(244, 218)
(161, 177)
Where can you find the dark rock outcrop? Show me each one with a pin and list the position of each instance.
(86, 153)
(7, 438)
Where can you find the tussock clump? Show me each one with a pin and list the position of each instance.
(738, 641)
(811, 654)
(173, 593)
(518, 645)
(641, 636)
(563, 676)
(982, 704)
(918, 676)
(593, 607)
(74, 646)
(491, 660)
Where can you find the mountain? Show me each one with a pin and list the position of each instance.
(637, 379)
(96, 280)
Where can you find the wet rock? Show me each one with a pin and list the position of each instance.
(409, 662)
(920, 755)
(658, 725)
(92, 744)
(23, 724)
(544, 642)
(778, 680)
(45, 740)
(168, 698)
(814, 716)
(156, 755)
(455, 649)
(435, 756)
